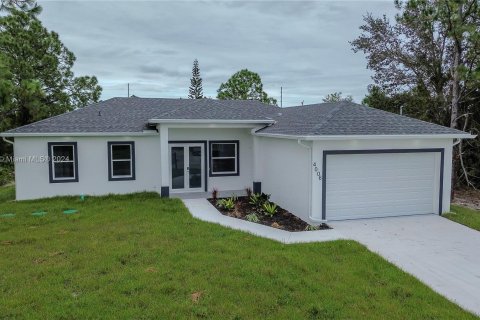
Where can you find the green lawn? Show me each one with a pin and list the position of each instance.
(465, 216)
(140, 256)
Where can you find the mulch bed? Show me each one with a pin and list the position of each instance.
(469, 198)
(283, 219)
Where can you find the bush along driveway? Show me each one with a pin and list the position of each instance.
(140, 256)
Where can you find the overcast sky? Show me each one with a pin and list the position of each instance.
(302, 46)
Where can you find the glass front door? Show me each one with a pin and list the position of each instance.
(187, 162)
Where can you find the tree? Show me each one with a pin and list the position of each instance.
(30, 6)
(36, 77)
(195, 91)
(337, 97)
(244, 85)
(428, 61)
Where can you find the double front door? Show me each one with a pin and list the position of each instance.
(187, 164)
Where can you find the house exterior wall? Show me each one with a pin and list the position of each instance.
(246, 163)
(284, 171)
(320, 146)
(32, 178)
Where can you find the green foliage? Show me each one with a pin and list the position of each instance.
(36, 77)
(131, 257)
(465, 216)
(252, 217)
(196, 90)
(427, 62)
(255, 199)
(227, 204)
(244, 85)
(337, 97)
(6, 174)
(311, 228)
(269, 208)
(258, 199)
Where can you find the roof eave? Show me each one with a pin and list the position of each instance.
(77, 134)
(366, 137)
(212, 121)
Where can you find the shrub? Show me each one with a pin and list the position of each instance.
(248, 191)
(254, 199)
(258, 199)
(269, 208)
(214, 194)
(227, 204)
(252, 217)
(311, 228)
(6, 174)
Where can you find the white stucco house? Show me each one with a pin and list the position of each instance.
(328, 161)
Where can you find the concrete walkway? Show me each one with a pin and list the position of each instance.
(439, 252)
(204, 210)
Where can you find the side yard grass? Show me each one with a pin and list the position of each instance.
(141, 256)
(465, 216)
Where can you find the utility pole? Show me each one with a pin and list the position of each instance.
(281, 97)
(128, 90)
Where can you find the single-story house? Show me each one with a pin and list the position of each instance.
(328, 161)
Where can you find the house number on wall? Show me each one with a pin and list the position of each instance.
(317, 171)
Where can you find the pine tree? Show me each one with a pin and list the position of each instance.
(195, 91)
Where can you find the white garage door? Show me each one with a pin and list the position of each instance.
(381, 185)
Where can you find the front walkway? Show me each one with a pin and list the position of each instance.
(204, 210)
(441, 253)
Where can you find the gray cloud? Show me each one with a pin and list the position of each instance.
(302, 46)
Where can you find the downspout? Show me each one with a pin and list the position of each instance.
(8, 141)
(299, 141)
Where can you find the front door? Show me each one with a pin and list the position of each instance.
(187, 162)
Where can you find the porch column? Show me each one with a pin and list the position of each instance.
(165, 177)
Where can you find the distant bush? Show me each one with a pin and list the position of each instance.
(6, 174)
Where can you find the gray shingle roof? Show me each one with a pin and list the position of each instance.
(132, 115)
(347, 118)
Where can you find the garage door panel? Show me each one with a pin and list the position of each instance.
(365, 196)
(381, 184)
(377, 185)
(379, 211)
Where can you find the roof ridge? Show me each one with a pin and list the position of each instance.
(327, 117)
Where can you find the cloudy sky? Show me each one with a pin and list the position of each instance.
(301, 46)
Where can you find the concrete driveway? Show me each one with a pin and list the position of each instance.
(441, 253)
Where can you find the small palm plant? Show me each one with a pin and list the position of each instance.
(269, 208)
(227, 204)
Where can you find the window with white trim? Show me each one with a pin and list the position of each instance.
(224, 158)
(63, 164)
(121, 160)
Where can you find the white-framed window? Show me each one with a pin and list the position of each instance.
(224, 158)
(121, 160)
(63, 163)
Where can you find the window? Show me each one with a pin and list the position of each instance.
(121, 161)
(224, 158)
(63, 164)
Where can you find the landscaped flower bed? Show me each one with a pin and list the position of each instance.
(258, 208)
